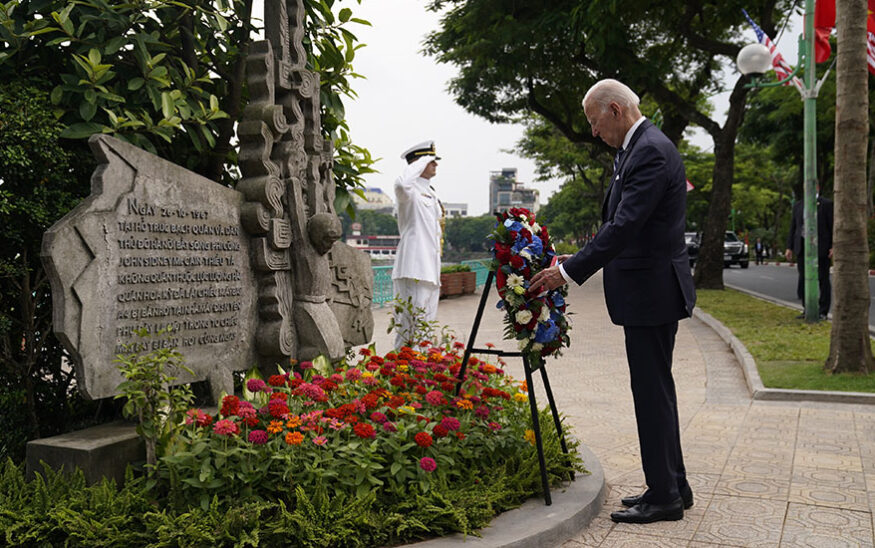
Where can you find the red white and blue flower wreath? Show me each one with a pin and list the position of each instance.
(521, 249)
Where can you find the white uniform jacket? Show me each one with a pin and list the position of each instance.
(419, 214)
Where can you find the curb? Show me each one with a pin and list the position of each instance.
(755, 384)
(535, 525)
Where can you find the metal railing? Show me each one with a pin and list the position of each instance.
(384, 293)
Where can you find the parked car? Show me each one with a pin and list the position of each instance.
(734, 251)
(692, 241)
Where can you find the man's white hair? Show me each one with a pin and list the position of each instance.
(605, 91)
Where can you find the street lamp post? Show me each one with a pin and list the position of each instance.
(755, 59)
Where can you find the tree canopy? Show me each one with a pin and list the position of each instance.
(169, 76)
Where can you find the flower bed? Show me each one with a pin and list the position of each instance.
(388, 430)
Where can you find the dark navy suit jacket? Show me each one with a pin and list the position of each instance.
(640, 244)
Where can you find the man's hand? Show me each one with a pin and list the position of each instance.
(788, 254)
(546, 280)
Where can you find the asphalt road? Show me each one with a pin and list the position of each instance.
(778, 283)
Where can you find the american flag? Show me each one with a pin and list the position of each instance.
(782, 69)
(871, 52)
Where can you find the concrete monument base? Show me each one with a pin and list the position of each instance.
(100, 451)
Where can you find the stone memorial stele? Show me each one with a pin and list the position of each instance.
(248, 276)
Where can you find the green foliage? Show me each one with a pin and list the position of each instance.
(468, 234)
(60, 509)
(455, 268)
(789, 352)
(42, 178)
(148, 395)
(419, 329)
(169, 76)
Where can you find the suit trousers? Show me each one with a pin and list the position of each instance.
(823, 264)
(649, 353)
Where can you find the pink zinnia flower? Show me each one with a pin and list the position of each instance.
(256, 385)
(376, 416)
(389, 427)
(258, 437)
(226, 427)
(312, 391)
(435, 397)
(246, 412)
(482, 411)
(451, 423)
(320, 440)
(428, 464)
(353, 374)
(494, 426)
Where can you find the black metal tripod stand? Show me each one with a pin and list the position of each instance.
(528, 367)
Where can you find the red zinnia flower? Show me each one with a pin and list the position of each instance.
(276, 380)
(423, 439)
(230, 405)
(364, 430)
(440, 430)
(258, 437)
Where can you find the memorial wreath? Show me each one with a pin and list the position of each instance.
(521, 249)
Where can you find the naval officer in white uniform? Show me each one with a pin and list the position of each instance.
(417, 272)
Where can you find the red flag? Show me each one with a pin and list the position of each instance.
(824, 21)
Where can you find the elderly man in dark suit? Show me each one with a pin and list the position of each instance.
(796, 244)
(648, 285)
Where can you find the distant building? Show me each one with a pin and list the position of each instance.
(375, 200)
(378, 247)
(506, 192)
(456, 210)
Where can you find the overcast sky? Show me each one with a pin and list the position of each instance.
(404, 100)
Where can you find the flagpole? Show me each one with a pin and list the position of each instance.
(809, 210)
(756, 59)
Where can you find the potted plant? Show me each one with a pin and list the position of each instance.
(457, 280)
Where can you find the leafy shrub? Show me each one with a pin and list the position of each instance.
(449, 269)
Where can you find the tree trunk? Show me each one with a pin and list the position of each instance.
(709, 265)
(849, 340)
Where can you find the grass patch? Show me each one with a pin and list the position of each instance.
(789, 352)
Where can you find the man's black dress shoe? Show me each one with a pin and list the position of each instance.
(636, 499)
(648, 513)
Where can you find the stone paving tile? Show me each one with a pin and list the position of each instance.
(742, 521)
(757, 468)
(811, 459)
(748, 486)
(816, 526)
(593, 535)
(623, 539)
(845, 489)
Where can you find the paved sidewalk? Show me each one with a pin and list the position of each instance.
(763, 473)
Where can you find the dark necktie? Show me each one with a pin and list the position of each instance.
(617, 158)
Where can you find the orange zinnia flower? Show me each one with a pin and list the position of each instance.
(293, 422)
(275, 427)
(294, 438)
(464, 404)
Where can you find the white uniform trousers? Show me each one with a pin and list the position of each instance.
(422, 295)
